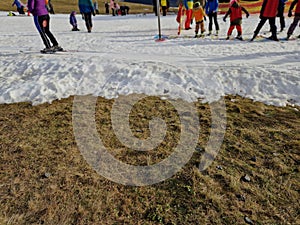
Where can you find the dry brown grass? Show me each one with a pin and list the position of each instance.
(39, 139)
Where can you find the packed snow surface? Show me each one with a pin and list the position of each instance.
(121, 57)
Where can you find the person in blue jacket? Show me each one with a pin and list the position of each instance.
(211, 10)
(86, 8)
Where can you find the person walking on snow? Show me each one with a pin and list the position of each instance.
(268, 12)
(296, 18)
(235, 12)
(86, 8)
(211, 9)
(199, 15)
(42, 22)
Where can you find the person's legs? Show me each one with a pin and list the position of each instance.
(39, 26)
(293, 26)
(259, 26)
(46, 25)
(282, 23)
(202, 27)
(273, 27)
(197, 28)
(229, 32)
(239, 29)
(88, 21)
(215, 15)
(210, 17)
(187, 24)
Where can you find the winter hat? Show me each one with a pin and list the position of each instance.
(196, 5)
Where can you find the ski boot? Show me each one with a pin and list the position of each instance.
(239, 37)
(47, 51)
(273, 38)
(57, 48)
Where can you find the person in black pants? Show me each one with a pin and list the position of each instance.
(86, 8)
(268, 12)
(280, 14)
(42, 21)
(211, 9)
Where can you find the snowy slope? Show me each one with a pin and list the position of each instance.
(120, 56)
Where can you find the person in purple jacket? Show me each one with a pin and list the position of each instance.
(73, 21)
(42, 21)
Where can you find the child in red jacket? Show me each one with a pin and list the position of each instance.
(268, 12)
(235, 12)
(296, 18)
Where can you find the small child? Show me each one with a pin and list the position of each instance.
(199, 15)
(73, 21)
(235, 12)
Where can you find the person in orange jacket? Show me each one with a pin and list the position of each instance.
(296, 18)
(268, 12)
(235, 12)
(199, 15)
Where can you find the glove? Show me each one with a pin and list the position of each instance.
(290, 14)
(247, 15)
(224, 19)
(93, 13)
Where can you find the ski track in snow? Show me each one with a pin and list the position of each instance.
(120, 56)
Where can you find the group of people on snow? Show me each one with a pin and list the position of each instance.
(198, 10)
(21, 7)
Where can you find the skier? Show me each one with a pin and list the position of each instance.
(73, 21)
(268, 12)
(87, 9)
(19, 5)
(211, 9)
(42, 22)
(235, 12)
(199, 15)
(296, 18)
